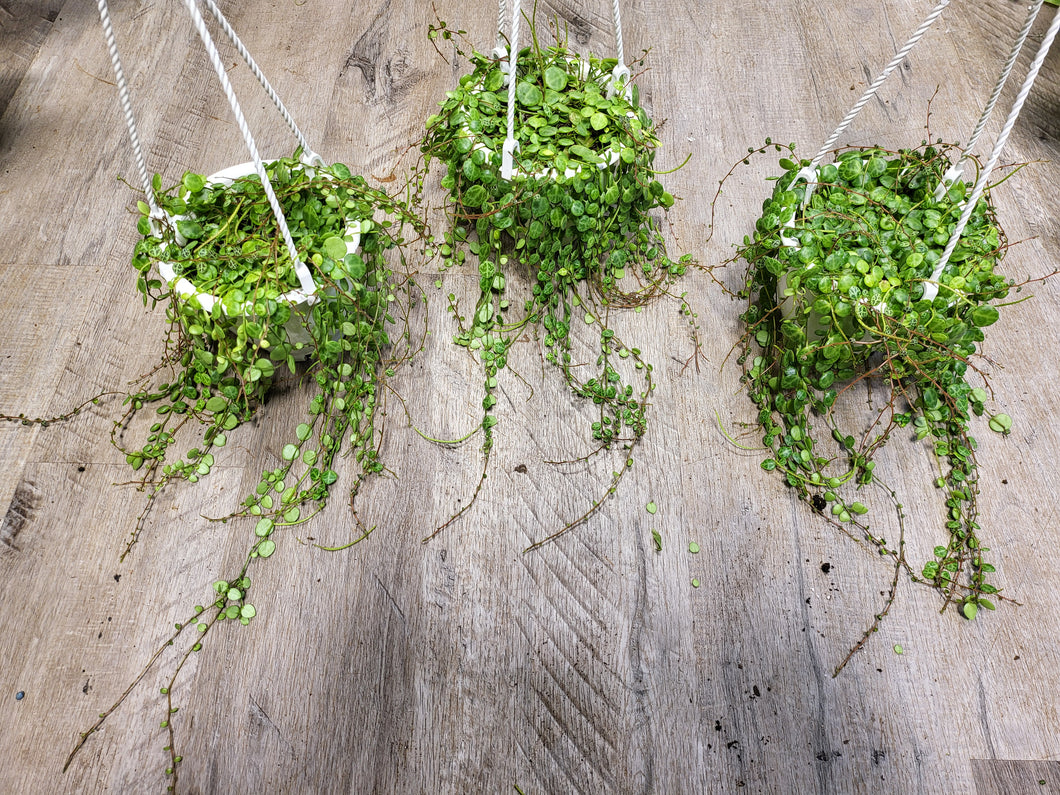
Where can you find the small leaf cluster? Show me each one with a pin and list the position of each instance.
(576, 217)
(835, 292)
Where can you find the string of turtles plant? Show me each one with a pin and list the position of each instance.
(225, 355)
(576, 218)
(838, 291)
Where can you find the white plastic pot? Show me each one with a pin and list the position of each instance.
(299, 301)
(609, 156)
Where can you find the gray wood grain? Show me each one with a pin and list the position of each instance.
(463, 664)
(1004, 776)
(23, 28)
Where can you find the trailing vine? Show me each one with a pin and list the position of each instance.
(839, 289)
(576, 218)
(238, 327)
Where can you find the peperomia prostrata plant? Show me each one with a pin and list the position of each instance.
(836, 292)
(239, 325)
(575, 219)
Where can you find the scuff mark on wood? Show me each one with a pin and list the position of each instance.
(21, 511)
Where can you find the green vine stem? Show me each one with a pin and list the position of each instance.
(44, 422)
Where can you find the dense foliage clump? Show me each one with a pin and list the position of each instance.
(239, 321)
(839, 287)
(576, 217)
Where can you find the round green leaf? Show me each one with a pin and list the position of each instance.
(555, 78)
(494, 81)
(335, 247)
(1001, 423)
(474, 196)
(528, 94)
(192, 230)
(193, 182)
(983, 316)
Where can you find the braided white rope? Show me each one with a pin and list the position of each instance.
(955, 171)
(616, 14)
(126, 105)
(309, 157)
(305, 278)
(619, 75)
(502, 17)
(872, 89)
(931, 287)
(510, 144)
(808, 173)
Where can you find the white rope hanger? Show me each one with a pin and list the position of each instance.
(957, 169)
(999, 144)
(126, 106)
(309, 157)
(809, 173)
(305, 278)
(620, 75)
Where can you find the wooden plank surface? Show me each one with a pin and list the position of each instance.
(1012, 777)
(463, 664)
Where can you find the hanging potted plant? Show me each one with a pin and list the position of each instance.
(837, 291)
(262, 266)
(240, 321)
(551, 175)
(241, 317)
(882, 265)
